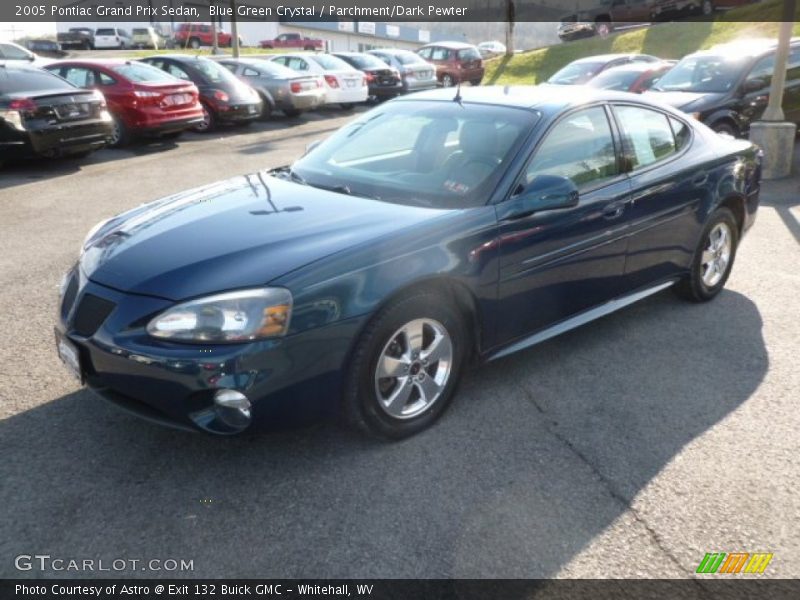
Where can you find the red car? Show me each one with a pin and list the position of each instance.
(293, 40)
(195, 35)
(141, 99)
(455, 62)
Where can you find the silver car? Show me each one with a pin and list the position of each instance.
(280, 88)
(416, 73)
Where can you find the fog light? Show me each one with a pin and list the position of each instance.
(233, 408)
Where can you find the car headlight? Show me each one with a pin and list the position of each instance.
(229, 317)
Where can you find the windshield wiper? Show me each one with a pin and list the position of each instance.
(287, 170)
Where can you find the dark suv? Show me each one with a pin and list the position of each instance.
(455, 62)
(727, 87)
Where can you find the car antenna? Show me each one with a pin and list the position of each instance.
(457, 97)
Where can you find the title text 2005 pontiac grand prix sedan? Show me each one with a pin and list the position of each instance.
(435, 230)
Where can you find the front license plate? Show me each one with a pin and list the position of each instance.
(68, 353)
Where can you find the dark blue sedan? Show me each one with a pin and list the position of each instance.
(433, 231)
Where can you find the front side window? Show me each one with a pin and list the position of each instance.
(646, 133)
(579, 147)
(762, 71)
(437, 154)
(177, 71)
(425, 53)
(576, 73)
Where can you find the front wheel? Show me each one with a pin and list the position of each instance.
(406, 367)
(713, 258)
(448, 81)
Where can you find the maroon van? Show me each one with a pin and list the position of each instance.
(456, 62)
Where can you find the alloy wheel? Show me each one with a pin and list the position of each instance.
(413, 368)
(116, 133)
(717, 254)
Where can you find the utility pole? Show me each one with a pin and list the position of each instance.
(234, 30)
(772, 133)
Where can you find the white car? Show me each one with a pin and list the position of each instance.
(111, 37)
(489, 49)
(344, 85)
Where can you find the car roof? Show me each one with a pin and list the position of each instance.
(391, 50)
(548, 99)
(607, 58)
(17, 65)
(638, 67)
(177, 57)
(99, 62)
(451, 45)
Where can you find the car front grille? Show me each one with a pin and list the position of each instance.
(92, 311)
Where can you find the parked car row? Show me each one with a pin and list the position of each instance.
(726, 87)
(114, 100)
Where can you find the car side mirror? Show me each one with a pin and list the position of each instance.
(754, 85)
(545, 192)
(311, 146)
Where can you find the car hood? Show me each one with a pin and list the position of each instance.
(242, 232)
(685, 101)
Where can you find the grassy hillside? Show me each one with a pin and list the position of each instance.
(667, 40)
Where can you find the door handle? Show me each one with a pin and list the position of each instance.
(614, 211)
(700, 179)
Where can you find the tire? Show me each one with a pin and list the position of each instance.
(266, 109)
(292, 113)
(120, 135)
(368, 398)
(448, 80)
(726, 128)
(347, 106)
(703, 282)
(603, 28)
(309, 48)
(707, 7)
(194, 43)
(172, 135)
(209, 120)
(475, 82)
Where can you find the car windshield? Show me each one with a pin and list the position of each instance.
(366, 61)
(213, 72)
(427, 153)
(704, 74)
(30, 81)
(144, 73)
(614, 79)
(331, 63)
(576, 73)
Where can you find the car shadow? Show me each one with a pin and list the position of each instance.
(540, 453)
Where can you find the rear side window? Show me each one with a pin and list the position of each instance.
(580, 147)
(13, 81)
(682, 133)
(646, 133)
(469, 54)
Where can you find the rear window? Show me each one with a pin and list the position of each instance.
(141, 72)
(366, 61)
(408, 58)
(106, 32)
(274, 70)
(469, 54)
(13, 81)
(331, 63)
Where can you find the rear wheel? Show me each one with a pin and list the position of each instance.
(448, 80)
(194, 43)
(266, 109)
(707, 7)
(603, 28)
(209, 120)
(120, 136)
(406, 367)
(713, 258)
(475, 82)
(172, 135)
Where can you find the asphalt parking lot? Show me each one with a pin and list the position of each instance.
(627, 448)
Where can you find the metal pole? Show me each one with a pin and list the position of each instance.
(774, 111)
(234, 30)
(214, 41)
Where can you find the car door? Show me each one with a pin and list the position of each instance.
(666, 192)
(557, 263)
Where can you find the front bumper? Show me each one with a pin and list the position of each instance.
(174, 384)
